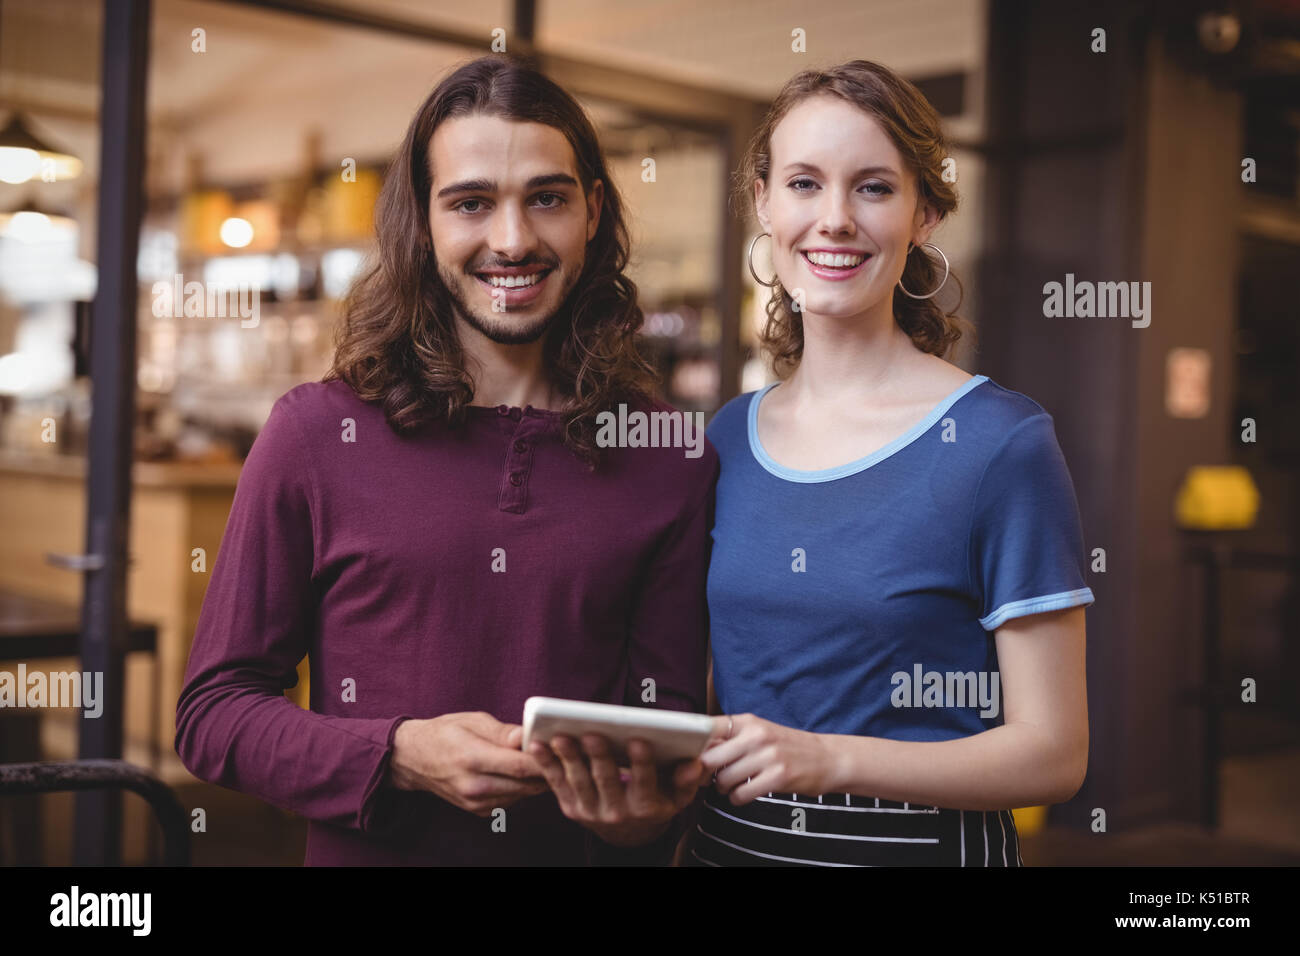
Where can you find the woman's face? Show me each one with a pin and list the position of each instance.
(841, 209)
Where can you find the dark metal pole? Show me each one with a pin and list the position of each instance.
(522, 41)
(112, 364)
(525, 20)
(732, 141)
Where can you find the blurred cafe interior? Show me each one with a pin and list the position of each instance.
(246, 142)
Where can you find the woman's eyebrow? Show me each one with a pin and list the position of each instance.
(864, 171)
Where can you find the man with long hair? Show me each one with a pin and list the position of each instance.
(439, 527)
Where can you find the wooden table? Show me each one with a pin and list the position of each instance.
(32, 627)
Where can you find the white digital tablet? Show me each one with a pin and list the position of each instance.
(673, 735)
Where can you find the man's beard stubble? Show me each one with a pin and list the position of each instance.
(501, 334)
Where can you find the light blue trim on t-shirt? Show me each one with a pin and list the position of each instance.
(853, 467)
(1049, 602)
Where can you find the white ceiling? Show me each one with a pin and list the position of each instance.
(359, 87)
(742, 46)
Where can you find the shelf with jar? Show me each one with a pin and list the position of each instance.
(240, 292)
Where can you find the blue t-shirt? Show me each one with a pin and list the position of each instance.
(863, 599)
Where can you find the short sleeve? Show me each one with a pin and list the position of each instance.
(1026, 539)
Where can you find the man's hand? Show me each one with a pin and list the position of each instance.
(623, 810)
(471, 760)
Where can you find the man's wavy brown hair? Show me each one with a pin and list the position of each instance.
(397, 342)
(914, 128)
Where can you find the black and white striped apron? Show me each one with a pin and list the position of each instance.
(787, 829)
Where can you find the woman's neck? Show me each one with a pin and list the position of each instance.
(850, 360)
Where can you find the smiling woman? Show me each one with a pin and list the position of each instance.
(881, 512)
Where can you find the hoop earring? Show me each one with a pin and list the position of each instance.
(939, 286)
(750, 259)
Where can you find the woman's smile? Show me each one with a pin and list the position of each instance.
(836, 264)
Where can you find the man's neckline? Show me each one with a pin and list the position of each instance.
(514, 411)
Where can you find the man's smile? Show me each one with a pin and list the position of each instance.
(515, 285)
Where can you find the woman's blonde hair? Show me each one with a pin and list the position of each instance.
(914, 128)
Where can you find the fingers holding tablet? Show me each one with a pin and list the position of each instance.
(623, 772)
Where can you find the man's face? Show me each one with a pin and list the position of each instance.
(509, 222)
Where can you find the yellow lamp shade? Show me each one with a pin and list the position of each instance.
(1029, 820)
(350, 206)
(202, 213)
(1217, 498)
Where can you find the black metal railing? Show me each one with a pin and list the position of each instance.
(76, 775)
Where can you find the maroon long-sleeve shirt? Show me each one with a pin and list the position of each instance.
(458, 570)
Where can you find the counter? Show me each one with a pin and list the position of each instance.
(176, 507)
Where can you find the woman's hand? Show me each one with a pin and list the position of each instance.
(762, 757)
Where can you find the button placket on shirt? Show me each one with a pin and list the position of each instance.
(518, 466)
